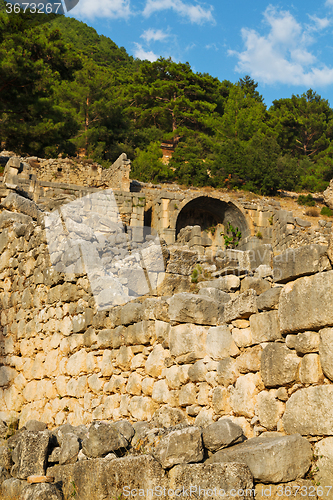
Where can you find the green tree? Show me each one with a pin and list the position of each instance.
(249, 87)
(148, 165)
(33, 61)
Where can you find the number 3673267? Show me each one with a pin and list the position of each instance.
(38, 8)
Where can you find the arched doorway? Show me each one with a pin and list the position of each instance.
(211, 214)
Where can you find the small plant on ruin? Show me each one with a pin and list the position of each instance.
(270, 220)
(326, 211)
(259, 235)
(307, 200)
(232, 236)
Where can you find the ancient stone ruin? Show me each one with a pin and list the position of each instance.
(132, 360)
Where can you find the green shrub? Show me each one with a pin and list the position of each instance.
(307, 200)
(326, 211)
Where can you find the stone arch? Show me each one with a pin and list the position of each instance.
(206, 212)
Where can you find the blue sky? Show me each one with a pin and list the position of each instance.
(286, 47)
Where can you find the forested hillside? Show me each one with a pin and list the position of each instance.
(66, 90)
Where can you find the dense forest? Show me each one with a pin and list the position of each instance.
(66, 90)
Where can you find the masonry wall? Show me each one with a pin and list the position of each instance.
(247, 346)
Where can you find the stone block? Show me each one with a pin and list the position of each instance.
(265, 327)
(30, 454)
(294, 311)
(214, 480)
(297, 262)
(188, 339)
(307, 342)
(310, 371)
(219, 343)
(278, 365)
(244, 395)
(269, 409)
(227, 284)
(270, 459)
(221, 434)
(182, 446)
(249, 360)
(187, 307)
(102, 439)
(322, 468)
(326, 351)
(242, 337)
(305, 409)
(155, 362)
(131, 313)
(269, 299)
(214, 294)
(227, 372)
(142, 407)
(258, 284)
(241, 306)
(181, 261)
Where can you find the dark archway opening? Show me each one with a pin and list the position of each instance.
(209, 212)
(147, 217)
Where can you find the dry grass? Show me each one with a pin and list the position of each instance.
(312, 212)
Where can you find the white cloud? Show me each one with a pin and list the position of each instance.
(195, 13)
(110, 9)
(329, 3)
(282, 56)
(143, 54)
(155, 35)
(320, 23)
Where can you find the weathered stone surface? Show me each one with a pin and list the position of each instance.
(305, 304)
(181, 261)
(183, 446)
(270, 299)
(16, 203)
(8, 218)
(307, 342)
(297, 262)
(4, 474)
(258, 284)
(12, 488)
(30, 454)
(221, 434)
(5, 458)
(249, 360)
(219, 343)
(228, 283)
(227, 481)
(241, 306)
(187, 307)
(35, 426)
(310, 371)
(270, 459)
(102, 439)
(265, 327)
(69, 450)
(269, 409)
(326, 351)
(131, 313)
(278, 365)
(227, 372)
(215, 294)
(186, 339)
(323, 466)
(168, 417)
(328, 194)
(41, 492)
(305, 409)
(142, 407)
(155, 362)
(99, 479)
(243, 395)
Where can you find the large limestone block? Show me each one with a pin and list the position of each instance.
(102, 439)
(307, 342)
(16, 203)
(270, 299)
(30, 454)
(201, 310)
(269, 409)
(155, 362)
(310, 371)
(306, 304)
(215, 294)
(182, 446)
(221, 434)
(142, 407)
(278, 365)
(326, 351)
(229, 283)
(186, 339)
(302, 261)
(181, 261)
(241, 306)
(244, 394)
(42, 491)
(100, 479)
(219, 343)
(265, 327)
(270, 459)
(258, 284)
(309, 411)
(212, 481)
(323, 466)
